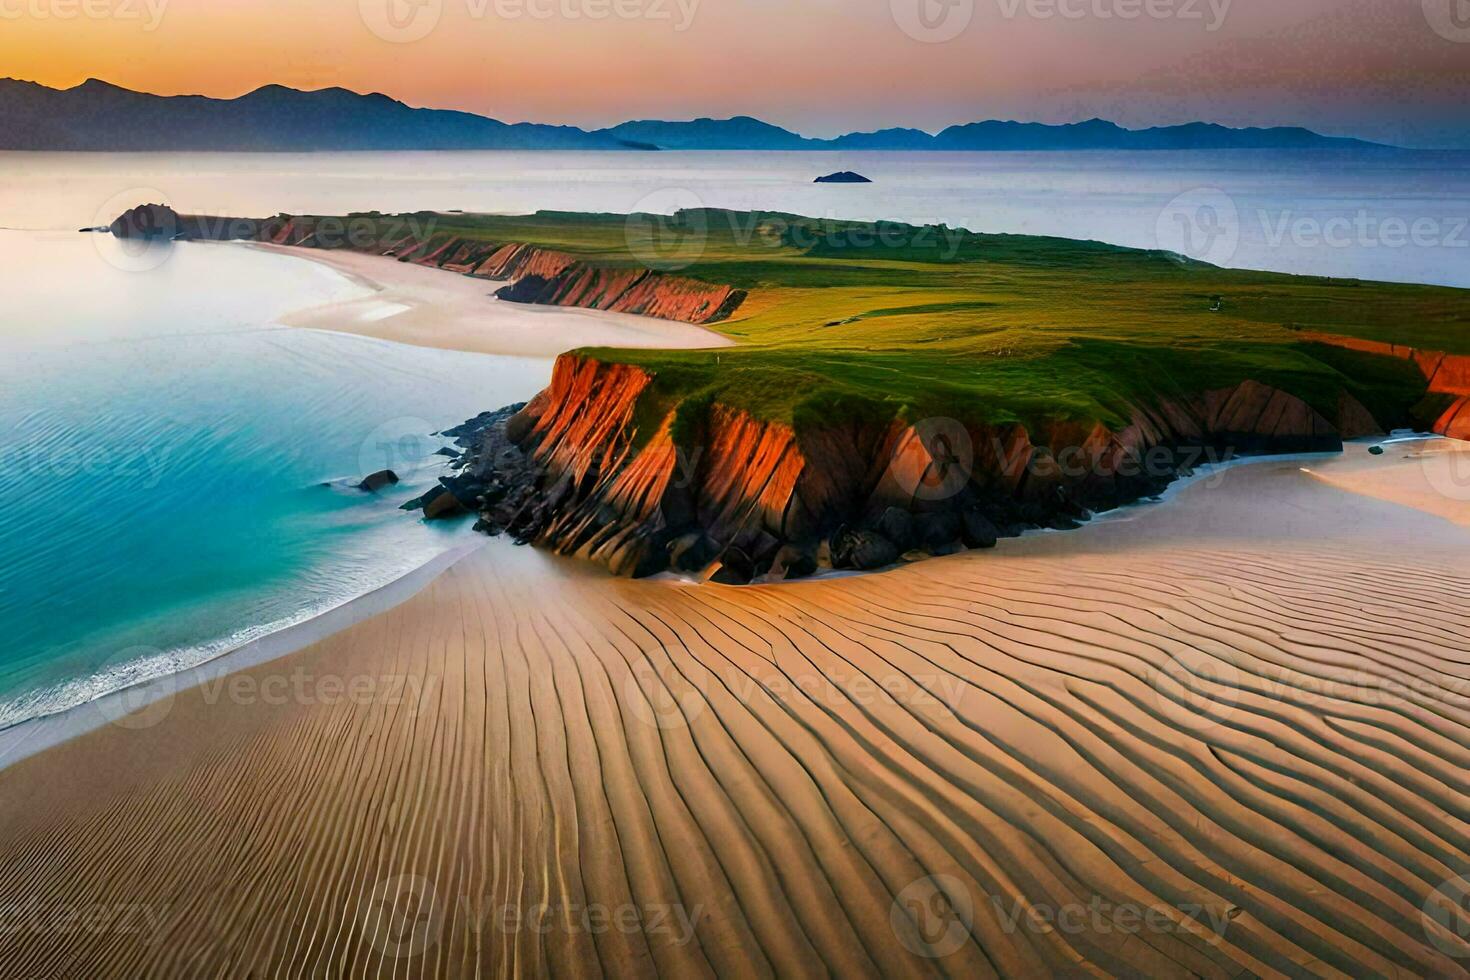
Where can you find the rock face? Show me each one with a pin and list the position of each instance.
(843, 177)
(1448, 376)
(581, 471)
(536, 275)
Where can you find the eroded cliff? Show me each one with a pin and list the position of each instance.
(594, 469)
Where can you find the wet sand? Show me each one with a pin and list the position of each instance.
(1221, 736)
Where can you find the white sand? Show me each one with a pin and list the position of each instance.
(414, 304)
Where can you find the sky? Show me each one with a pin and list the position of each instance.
(1392, 70)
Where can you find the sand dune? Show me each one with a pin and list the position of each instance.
(1119, 751)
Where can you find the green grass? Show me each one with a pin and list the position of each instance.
(850, 319)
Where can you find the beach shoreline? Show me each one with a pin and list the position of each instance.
(429, 307)
(1182, 709)
(430, 300)
(537, 701)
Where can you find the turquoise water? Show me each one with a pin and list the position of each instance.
(163, 440)
(163, 449)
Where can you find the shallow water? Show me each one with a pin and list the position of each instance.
(163, 440)
(164, 446)
(1391, 215)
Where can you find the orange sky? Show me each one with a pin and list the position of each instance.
(1375, 68)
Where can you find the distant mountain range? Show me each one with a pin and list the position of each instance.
(99, 116)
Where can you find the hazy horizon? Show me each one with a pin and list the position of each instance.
(820, 68)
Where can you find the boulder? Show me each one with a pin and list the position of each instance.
(794, 561)
(863, 551)
(937, 530)
(843, 177)
(977, 530)
(379, 480)
(897, 526)
(439, 503)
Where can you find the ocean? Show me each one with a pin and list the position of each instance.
(177, 467)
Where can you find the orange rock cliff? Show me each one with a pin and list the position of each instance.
(582, 471)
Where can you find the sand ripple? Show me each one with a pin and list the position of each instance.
(1182, 763)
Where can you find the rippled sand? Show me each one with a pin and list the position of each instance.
(1223, 736)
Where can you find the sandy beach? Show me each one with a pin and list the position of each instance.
(413, 304)
(1219, 736)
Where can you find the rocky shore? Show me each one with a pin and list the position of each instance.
(719, 493)
(605, 466)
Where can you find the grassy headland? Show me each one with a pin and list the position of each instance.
(902, 321)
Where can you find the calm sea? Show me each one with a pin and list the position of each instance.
(175, 466)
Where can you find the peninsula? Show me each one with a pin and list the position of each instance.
(895, 390)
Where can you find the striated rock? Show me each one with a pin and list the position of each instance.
(581, 471)
(379, 480)
(536, 275)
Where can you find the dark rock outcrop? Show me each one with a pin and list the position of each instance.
(576, 471)
(843, 177)
(379, 480)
